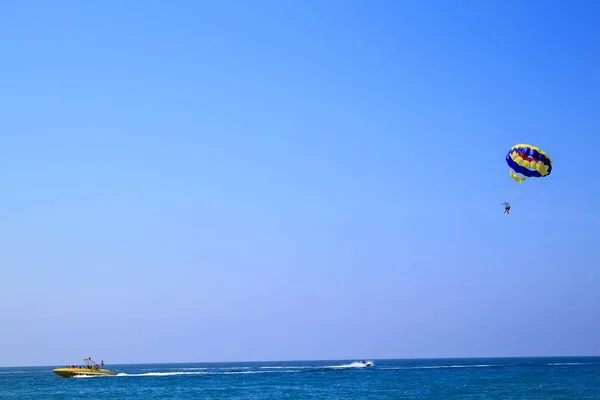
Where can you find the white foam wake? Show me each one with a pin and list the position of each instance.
(442, 366)
(567, 363)
(355, 364)
(176, 373)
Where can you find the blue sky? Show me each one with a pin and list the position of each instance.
(222, 181)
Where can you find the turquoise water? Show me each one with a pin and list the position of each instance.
(515, 378)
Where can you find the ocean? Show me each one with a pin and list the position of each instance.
(493, 378)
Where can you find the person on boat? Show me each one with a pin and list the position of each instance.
(102, 364)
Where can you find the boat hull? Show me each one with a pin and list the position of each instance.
(71, 372)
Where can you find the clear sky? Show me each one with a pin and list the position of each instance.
(273, 180)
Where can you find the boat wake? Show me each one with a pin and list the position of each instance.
(175, 373)
(441, 366)
(248, 370)
(355, 364)
(567, 363)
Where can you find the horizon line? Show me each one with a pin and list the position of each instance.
(319, 360)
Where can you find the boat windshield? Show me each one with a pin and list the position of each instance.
(91, 363)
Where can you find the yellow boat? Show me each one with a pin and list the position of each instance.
(90, 369)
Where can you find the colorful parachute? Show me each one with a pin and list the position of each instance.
(527, 161)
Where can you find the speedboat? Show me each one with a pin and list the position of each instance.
(366, 363)
(90, 369)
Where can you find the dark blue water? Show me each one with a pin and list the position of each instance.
(511, 378)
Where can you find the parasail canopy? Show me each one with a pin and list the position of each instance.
(528, 161)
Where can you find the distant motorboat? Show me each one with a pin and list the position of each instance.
(90, 369)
